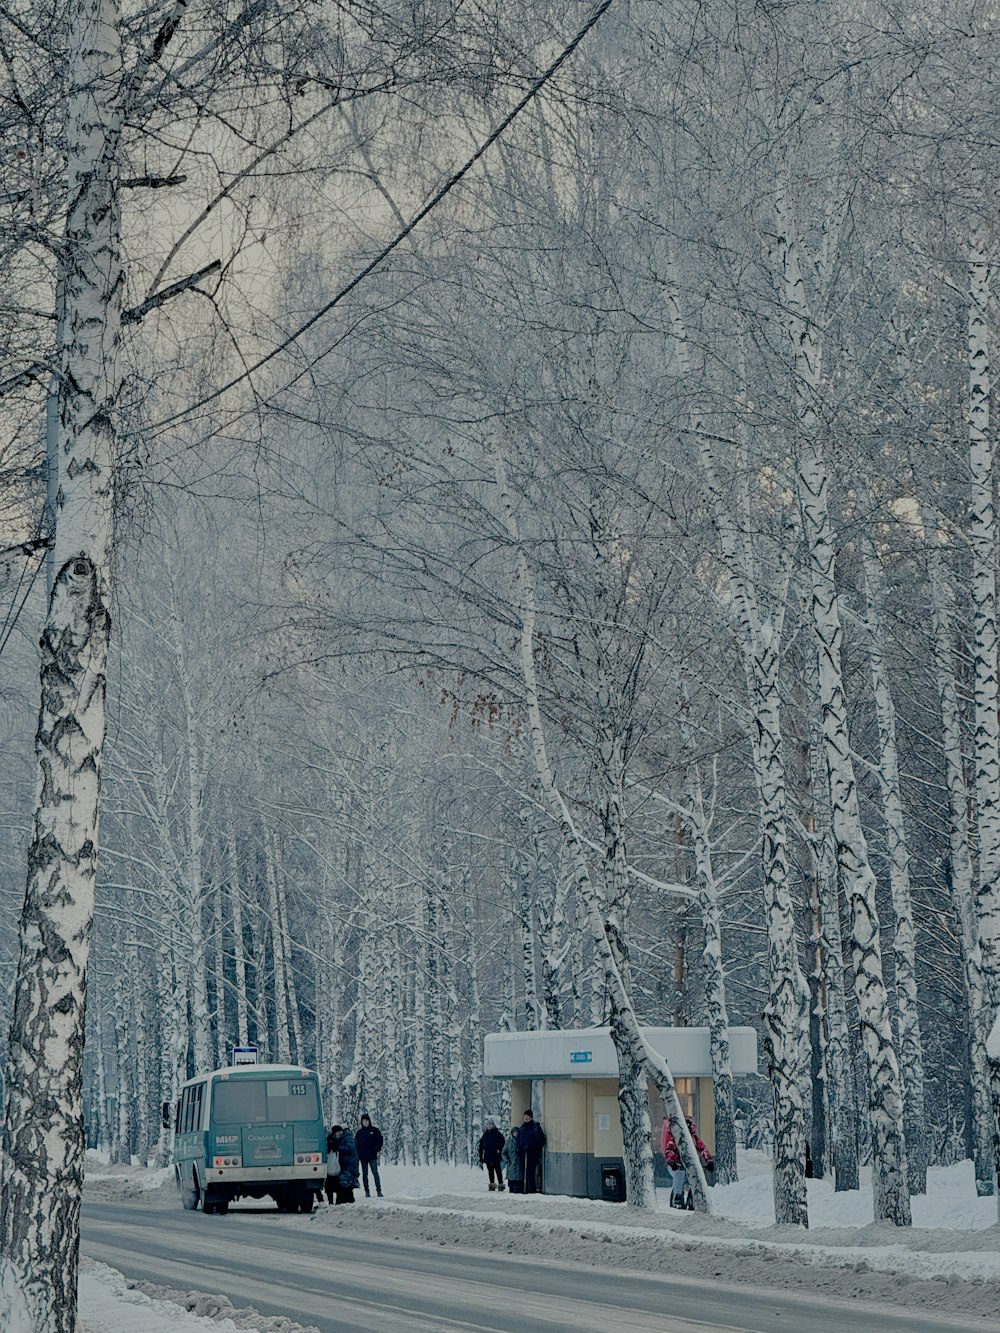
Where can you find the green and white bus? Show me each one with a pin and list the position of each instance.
(248, 1132)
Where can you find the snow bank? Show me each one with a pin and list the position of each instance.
(954, 1237)
(950, 1203)
(109, 1303)
(127, 1182)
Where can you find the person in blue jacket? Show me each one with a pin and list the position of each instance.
(341, 1141)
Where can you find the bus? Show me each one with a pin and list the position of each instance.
(248, 1132)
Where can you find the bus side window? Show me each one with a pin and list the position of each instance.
(196, 1122)
(183, 1114)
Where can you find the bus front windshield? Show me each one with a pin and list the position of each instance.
(255, 1101)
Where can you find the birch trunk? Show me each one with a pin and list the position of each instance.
(839, 1062)
(239, 944)
(437, 1013)
(219, 970)
(456, 1110)
(355, 1085)
(983, 547)
(43, 1140)
(281, 1023)
(330, 1060)
(715, 984)
(889, 1171)
(293, 998)
(172, 1004)
(194, 888)
(759, 635)
(818, 1066)
(638, 1051)
(121, 1142)
(905, 938)
(262, 1025)
(475, 1032)
(786, 1014)
(103, 1135)
(633, 1098)
(421, 1053)
(962, 878)
(400, 1146)
(527, 882)
(555, 945)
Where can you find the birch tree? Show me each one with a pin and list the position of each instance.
(904, 938)
(43, 1135)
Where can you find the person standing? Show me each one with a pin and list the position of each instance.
(369, 1142)
(530, 1142)
(490, 1151)
(671, 1153)
(341, 1141)
(511, 1163)
(332, 1169)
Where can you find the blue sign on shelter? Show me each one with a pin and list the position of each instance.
(580, 1057)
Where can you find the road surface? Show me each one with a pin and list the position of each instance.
(284, 1265)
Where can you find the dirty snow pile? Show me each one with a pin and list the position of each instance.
(109, 1303)
(954, 1236)
(103, 1181)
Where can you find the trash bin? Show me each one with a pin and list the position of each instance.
(612, 1182)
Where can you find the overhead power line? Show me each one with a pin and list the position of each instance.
(406, 231)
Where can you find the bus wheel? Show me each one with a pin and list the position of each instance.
(306, 1201)
(189, 1195)
(214, 1202)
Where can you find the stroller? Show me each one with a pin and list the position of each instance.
(680, 1190)
(683, 1198)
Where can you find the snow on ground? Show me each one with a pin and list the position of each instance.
(955, 1234)
(950, 1203)
(108, 1305)
(127, 1182)
(955, 1237)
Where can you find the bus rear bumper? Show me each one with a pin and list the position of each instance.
(263, 1175)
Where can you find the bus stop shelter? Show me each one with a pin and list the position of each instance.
(574, 1075)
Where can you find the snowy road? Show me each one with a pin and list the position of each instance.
(283, 1265)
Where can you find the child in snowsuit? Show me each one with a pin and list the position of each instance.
(511, 1163)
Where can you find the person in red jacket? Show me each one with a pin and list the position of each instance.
(679, 1198)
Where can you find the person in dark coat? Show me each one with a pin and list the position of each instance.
(530, 1143)
(341, 1141)
(369, 1143)
(490, 1149)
